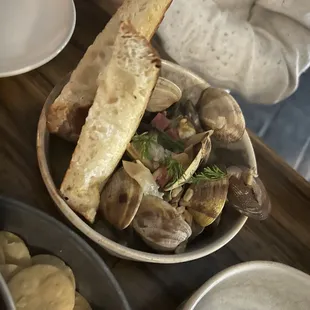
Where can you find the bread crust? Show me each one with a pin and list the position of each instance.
(67, 114)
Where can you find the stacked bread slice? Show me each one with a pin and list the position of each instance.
(67, 115)
(112, 86)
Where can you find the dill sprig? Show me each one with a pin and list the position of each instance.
(175, 146)
(143, 144)
(208, 173)
(174, 168)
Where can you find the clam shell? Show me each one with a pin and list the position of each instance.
(160, 225)
(219, 111)
(120, 199)
(196, 228)
(203, 154)
(165, 94)
(189, 110)
(251, 200)
(208, 200)
(135, 155)
(238, 171)
(143, 176)
(185, 129)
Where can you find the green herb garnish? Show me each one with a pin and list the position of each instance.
(169, 144)
(208, 173)
(174, 168)
(143, 144)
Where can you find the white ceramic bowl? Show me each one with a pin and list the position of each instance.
(241, 153)
(32, 32)
(253, 285)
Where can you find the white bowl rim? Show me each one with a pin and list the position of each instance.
(194, 300)
(106, 243)
(45, 60)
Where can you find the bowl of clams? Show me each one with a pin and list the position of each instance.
(145, 158)
(185, 184)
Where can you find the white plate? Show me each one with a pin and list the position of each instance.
(32, 32)
(254, 286)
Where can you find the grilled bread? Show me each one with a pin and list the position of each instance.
(124, 89)
(67, 114)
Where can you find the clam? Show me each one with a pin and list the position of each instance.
(160, 225)
(189, 110)
(136, 155)
(145, 148)
(205, 200)
(235, 171)
(219, 111)
(185, 129)
(143, 176)
(120, 199)
(204, 142)
(165, 94)
(181, 248)
(248, 195)
(196, 228)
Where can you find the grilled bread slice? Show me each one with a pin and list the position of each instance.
(124, 90)
(67, 114)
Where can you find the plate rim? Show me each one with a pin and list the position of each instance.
(197, 296)
(45, 60)
(45, 216)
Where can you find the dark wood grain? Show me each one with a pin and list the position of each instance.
(284, 237)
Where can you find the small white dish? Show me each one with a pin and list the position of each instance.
(254, 286)
(32, 32)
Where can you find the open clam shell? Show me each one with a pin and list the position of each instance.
(206, 200)
(185, 128)
(191, 112)
(150, 155)
(219, 111)
(248, 195)
(203, 154)
(135, 155)
(143, 176)
(160, 225)
(165, 94)
(196, 228)
(120, 199)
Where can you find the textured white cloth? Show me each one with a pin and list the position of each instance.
(258, 48)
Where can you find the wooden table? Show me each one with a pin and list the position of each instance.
(284, 237)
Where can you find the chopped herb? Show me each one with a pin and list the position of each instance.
(208, 173)
(169, 144)
(174, 168)
(143, 144)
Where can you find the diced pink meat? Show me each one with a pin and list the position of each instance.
(160, 122)
(173, 133)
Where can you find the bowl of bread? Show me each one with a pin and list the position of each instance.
(159, 166)
(45, 265)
